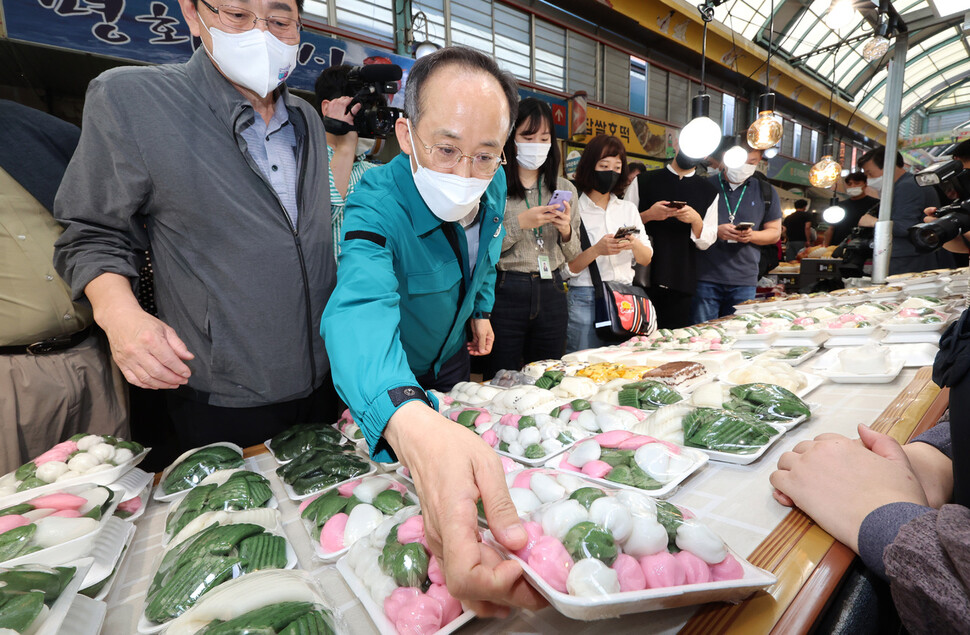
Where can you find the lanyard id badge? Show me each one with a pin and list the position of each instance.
(545, 269)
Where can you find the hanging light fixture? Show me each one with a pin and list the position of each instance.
(420, 48)
(879, 44)
(826, 172)
(765, 131)
(839, 14)
(834, 213)
(701, 136)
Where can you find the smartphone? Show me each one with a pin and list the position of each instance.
(559, 197)
(743, 226)
(676, 204)
(623, 232)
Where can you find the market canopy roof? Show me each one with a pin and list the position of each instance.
(937, 64)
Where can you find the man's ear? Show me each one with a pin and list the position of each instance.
(324, 104)
(191, 14)
(403, 138)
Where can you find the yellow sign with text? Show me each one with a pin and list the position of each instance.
(638, 136)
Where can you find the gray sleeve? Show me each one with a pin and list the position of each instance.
(106, 184)
(928, 566)
(939, 437)
(881, 527)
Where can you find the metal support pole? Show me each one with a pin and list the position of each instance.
(402, 26)
(893, 107)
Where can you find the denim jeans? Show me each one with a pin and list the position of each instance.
(581, 333)
(529, 321)
(712, 300)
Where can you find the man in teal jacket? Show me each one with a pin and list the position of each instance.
(417, 267)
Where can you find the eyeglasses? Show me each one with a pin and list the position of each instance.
(284, 28)
(445, 156)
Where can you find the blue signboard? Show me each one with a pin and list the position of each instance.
(153, 31)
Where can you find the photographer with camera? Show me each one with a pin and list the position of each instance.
(355, 113)
(937, 228)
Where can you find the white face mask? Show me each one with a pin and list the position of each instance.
(853, 191)
(531, 156)
(364, 146)
(741, 174)
(449, 196)
(254, 59)
(875, 182)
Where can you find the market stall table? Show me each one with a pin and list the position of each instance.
(735, 501)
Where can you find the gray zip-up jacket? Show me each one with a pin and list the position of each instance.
(161, 162)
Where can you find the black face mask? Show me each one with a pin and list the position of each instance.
(684, 162)
(605, 180)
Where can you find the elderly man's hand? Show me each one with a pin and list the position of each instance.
(147, 350)
(452, 468)
(482, 338)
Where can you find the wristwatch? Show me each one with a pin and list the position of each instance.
(482, 315)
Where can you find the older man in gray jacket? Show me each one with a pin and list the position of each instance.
(222, 174)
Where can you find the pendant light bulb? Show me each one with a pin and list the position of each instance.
(826, 172)
(833, 214)
(766, 130)
(701, 136)
(875, 48)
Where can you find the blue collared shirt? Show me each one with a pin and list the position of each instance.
(273, 147)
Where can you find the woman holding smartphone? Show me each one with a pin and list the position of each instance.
(616, 236)
(529, 315)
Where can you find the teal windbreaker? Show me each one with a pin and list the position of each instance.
(392, 316)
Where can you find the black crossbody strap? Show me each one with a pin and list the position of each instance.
(594, 271)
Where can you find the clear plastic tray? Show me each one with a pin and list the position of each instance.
(839, 376)
(268, 444)
(330, 557)
(699, 459)
(747, 459)
(812, 382)
(623, 603)
(79, 547)
(794, 361)
(376, 613)
(105, 477)
(293, 496)
(164, 498)
(107, 550)
(62, 605)
(934, 327)
(808, 337)
(147, 626)
(86, 616)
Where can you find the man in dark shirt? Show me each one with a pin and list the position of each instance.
(798, 227)
(855, 208)
(678, 208)
(909, 201)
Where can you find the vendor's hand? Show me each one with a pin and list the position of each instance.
(687, 214)
(147, 350)
(658, 211)
(537, 216)
(452, 468)
(482, 338)
(839, 481)
(610, 246)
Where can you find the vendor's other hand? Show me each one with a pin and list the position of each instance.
(839, 481)
(147, 350)
(482, 338)
(452, 468)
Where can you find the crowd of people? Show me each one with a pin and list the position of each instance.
(293, 276)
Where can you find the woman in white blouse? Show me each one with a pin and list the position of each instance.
(603, 211)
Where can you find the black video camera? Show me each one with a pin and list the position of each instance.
(953, 219)
(368, 85)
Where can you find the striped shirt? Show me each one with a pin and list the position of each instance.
(337, 202)
(273, 147)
